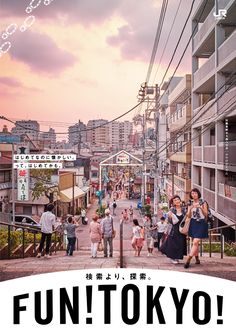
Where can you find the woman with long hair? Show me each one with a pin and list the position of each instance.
(198, 227)
(175, 246)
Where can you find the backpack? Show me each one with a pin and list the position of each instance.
(210, 218)
(114, 205)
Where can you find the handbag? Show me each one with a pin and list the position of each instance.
(184, 225)
(100, 246)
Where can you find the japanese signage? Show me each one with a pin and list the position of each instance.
(122, 158)
(22, 185)
(22, 179)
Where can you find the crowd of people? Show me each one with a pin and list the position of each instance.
(163, 233)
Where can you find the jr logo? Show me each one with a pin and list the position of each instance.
(221, 14)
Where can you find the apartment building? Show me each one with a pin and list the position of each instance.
(214, 108)
(125, 132)
(99, 135)
(49, 138)
(29, 127)
(77, 133)
(114, 136)
(178, 115)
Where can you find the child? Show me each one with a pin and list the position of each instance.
(137, 239)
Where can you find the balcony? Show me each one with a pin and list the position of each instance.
(197, 153)
(180, 156)
(227, 49)
(227, 207)
(226, 98)
(209, 154)
(182, 183)
(183, 86)
(199, 187)
(209, 196)
(204, 72)
(203, 113)
(207, 26)
(180, 118)
(221, 153)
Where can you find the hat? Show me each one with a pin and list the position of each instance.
(107, 211)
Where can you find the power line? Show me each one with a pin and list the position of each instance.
(191, 122)
(157, 38)
(166, 145)
(186, 21)
(82, 130)
(230, 108)
(172, 25)
(180, 37)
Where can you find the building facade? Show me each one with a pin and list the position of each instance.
(29, 127)
(179, 145)
(49, 138)
(98, 134)
(214, 110)
(77, 134)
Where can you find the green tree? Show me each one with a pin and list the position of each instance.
(43, 184)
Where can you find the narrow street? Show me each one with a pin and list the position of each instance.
(9, 269)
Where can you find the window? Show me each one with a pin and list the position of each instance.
(94, 174)
(212, 179)
(212, 137)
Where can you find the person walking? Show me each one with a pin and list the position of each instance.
(137, 238)
(175, 246)
(70, 227)
(148, 227)
(161, 229)
(83, 215)
(198, 227)
(107, 232)
(95, 235)
(114, 205)
(47, 221)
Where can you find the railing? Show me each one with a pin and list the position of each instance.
(121, 245)
(204, 70)
(204, 30)
(221, 239)
(23, 249)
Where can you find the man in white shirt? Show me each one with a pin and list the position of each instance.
(47, 221)
(161, 228)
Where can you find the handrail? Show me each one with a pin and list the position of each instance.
(221, 238)
(32, 229)
(121, 245)
(223, 227)
(19, 226)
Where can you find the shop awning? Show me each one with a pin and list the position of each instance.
(67, 195)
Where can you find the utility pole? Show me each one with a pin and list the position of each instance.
(144, 174)
(13, 185)
(157, 133)
(79, 138)
(172, 181)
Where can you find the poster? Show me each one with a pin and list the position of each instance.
(81, 80)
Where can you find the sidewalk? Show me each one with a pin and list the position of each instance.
(9, 269)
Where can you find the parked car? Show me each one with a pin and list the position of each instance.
(27, 221)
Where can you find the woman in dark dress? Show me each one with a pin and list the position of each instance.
(198, 227)
(175, 246)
